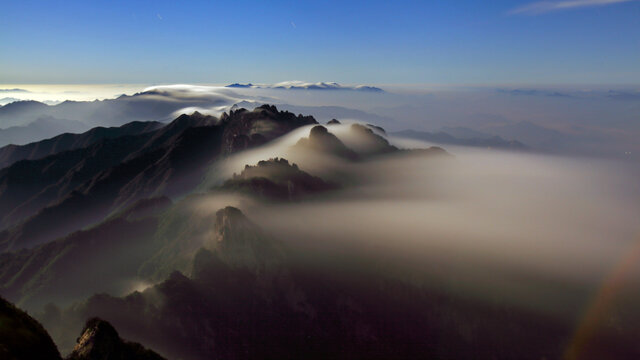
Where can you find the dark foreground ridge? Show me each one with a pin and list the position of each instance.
(23, 338)
(246, 296)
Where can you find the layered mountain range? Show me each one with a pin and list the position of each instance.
(111, 231)
(110, 173)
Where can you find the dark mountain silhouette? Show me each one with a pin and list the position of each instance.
(275, 179)
(34, 109)
(238, 85)
(144, 106)
(43, 127)
(538, 136)
(377, 128)
(368, 143)
(308, 86)
(321, 140)
(243, 128)
(363, 142)
(22, 337)
(247, 296)
(90, 182)
(327, 113)
(68, 141)
(241, 244)
(443, 138)
(99, 340)
(49, 272)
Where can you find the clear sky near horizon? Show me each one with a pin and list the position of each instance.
(374, 42)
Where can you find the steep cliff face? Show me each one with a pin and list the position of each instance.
(23, 338)
(242, 245)
(100, 341)
(244, 129)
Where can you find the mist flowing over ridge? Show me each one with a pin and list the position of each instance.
(223, 180)
(345, 233)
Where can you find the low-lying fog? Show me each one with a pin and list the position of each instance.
(543, 232)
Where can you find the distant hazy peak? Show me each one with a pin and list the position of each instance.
(300, 85)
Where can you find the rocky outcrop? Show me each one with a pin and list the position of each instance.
(275, 179)
(367, 143)
(100, 341)
(241, 244)
(91, 182)
(245, 129)
(321, 140)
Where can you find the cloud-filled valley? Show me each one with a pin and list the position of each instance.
(210, 218)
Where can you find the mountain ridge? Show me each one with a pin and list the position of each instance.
(114, 172)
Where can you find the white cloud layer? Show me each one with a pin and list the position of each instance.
(548, 6)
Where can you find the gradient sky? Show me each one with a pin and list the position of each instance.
(374, 42)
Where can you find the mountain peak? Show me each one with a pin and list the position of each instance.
(275, 179)
(242, 244)
(320, 139)
(100, 340)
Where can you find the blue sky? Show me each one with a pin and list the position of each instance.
(375, 42)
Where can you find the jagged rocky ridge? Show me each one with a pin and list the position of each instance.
(247, 296)
(241, 293)
(111, 173)
(99, 340)
(48, 273)
(22, 338)
(152, 243)
(275, 179)
(68, 141)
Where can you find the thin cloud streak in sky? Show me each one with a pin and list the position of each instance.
(548, 6)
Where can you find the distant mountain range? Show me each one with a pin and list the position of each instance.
(104, 230)
(495, 142)
(145, 106)
(43, 127)
(300, 85)
(68, 141)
